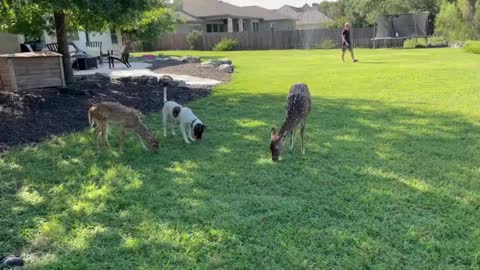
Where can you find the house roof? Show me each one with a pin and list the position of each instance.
(182, 15)
(313, 17)
(305, 15)
(266, 14)
(218, 8)
(213, 8)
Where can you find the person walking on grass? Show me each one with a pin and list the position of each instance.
(346, 43)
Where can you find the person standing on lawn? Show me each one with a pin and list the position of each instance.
(346, 42)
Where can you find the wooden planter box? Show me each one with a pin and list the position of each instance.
(23, 71)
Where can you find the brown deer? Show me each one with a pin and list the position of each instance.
(299, 104)
(127, 118)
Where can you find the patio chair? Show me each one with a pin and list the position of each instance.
(73, 49)
(123, 58)
(96, 50)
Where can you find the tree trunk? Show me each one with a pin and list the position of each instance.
(61, 31)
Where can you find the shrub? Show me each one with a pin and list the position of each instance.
(326, 44)
(472, 47)
(227, 44)
(194, 39)
(422, 43)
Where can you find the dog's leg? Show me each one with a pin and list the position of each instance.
(122, 139)
(165, 119)
(184, 134)
(173, 127)
(292, 139)
(190, 134)
(302, 135)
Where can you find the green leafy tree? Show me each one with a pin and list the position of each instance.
(449, 22)
(141, 17)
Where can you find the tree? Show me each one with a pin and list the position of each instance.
(364, 13)
(333, 10)
(449, 22)
(21, 16)
(459, 20)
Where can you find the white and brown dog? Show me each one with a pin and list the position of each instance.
(184, 117)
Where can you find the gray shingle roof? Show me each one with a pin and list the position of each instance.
(213, 8)
(217, 8)
(266, 14)
(305, 15)
(313, 17)
(187, 17)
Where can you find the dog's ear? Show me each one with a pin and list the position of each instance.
(273, 134)
(176, 111)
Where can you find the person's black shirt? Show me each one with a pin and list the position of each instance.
(346, 36)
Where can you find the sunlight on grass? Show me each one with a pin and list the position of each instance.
(30, 197)
(416, 184)
(250, 123)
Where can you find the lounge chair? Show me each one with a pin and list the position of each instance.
(123, 58)
(94, 48)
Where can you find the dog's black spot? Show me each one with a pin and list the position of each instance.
(176, 111)
(198, 131)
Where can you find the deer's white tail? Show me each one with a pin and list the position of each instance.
(165, 94)
(90, 120)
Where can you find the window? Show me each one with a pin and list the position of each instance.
(215, 28)
(72, 36)
(256, 27)
(113, 36)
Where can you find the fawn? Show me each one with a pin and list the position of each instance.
(299, 104)
(127, 118)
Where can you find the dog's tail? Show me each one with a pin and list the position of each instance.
(165, 94)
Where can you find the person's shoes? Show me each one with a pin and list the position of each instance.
(355, 61)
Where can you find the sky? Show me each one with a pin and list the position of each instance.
(271, 4)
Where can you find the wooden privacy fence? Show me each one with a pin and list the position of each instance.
(299, 39)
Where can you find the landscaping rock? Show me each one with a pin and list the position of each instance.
(100, 77)
(166, 81)
(190, 59)
(225, 61)
(209, 64)
(226, 68)
(181, 84)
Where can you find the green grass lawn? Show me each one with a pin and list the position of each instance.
(390, 180)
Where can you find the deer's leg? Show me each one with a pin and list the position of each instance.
(122, 139)
(96, 137)
(302, 135)
(292, 139)
(105, 136)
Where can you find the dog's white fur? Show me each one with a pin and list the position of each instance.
(186, 119)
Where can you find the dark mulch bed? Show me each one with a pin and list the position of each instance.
(180, 68)
(35, 115)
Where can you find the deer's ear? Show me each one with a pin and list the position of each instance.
(273, 133)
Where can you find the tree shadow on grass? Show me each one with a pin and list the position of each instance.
(381, 185)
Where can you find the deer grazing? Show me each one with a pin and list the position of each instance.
(299, 104)
(104, 113)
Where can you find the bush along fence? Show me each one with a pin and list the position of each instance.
(299, 39)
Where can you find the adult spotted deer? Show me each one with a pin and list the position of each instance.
(104, 113)
(299, 104)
